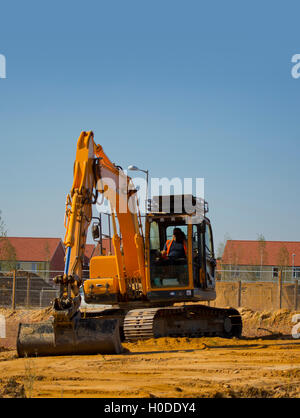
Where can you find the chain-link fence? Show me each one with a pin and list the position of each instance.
(27, 288)
(32, 289)
(257, 275)
(258, 290)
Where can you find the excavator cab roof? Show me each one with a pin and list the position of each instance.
(183, 208)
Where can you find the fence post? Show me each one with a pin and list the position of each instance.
(239, 295)
(296, 295)
(27, 290)
(13, 302)
(280, 289)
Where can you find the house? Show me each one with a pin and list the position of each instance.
(260, 259)
(94, 249)
(42, 254)
(32, 254)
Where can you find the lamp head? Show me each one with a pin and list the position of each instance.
(133, 168)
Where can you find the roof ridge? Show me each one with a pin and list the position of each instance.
(34, 237)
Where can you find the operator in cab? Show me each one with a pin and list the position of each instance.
(176, 247)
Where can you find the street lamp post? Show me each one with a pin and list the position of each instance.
(135, 168)
(293, 265)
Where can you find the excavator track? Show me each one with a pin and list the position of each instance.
(182, 321)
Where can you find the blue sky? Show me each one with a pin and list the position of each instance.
(182, 88)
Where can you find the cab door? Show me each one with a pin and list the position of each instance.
(198, 257)
(210, 261)
(203, 256)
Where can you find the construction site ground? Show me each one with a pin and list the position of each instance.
(265, 363)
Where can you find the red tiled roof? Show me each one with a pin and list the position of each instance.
(89, 248)
(32, 249)
(245, 253)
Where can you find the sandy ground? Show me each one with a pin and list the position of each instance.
(265, 362)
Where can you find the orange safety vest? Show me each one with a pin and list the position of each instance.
(169, 244)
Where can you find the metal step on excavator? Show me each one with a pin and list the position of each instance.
(154, 282)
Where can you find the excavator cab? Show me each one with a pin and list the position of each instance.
(183, 267)
(172, 270)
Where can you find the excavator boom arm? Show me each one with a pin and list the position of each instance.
(95, 174)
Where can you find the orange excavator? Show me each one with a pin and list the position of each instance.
(147, 291)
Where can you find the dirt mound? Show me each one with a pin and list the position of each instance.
(178, 344)
(256, 324)
(26, 315)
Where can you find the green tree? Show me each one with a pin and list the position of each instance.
(8, 254)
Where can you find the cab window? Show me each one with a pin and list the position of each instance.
(168, 260)
(208, 241)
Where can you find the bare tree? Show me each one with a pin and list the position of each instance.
(262, 250)
(283, 257)
(232, 254)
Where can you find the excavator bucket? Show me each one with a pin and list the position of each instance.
(85, 336)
